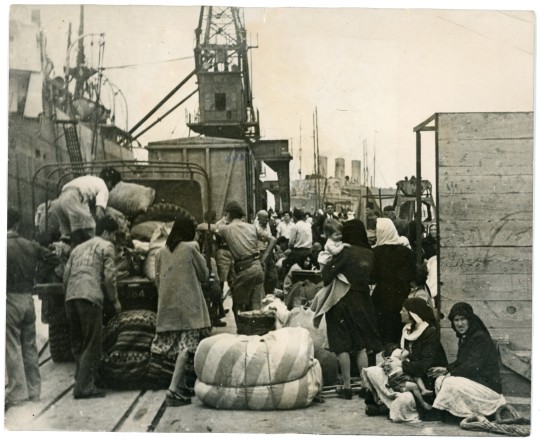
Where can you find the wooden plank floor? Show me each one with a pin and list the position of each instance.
(145, 411)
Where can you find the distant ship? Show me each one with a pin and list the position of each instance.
(58, 118)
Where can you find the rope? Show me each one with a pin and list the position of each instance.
(480, 423)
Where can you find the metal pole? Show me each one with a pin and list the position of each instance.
(172, 92)
(166, 114)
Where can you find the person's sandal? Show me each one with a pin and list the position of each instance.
(173, 398)
(344, 393)
(187, 392)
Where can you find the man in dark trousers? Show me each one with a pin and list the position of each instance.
(22, 368)
(90, 265)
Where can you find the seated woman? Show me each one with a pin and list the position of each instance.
(472, 384)
(420, 338)
(308, 263)
(399, 381)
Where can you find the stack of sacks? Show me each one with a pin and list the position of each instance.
(302, 317)
(130, 198)
(274, 371)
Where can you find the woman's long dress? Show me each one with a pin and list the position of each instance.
(351, 323)
(393, 272)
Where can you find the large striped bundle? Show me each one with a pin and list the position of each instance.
(231, 360)
(274, 371)
(301, 317)
(298, 393)
(126, 348)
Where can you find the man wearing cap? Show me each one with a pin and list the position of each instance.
(77, 200)
(242, 240)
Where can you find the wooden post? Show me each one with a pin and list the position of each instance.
(418, 198)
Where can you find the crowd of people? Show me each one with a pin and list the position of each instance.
(375, 300)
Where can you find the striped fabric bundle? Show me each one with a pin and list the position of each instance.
(231, 360)
(274, 371)
(126, 348)
(298, 393)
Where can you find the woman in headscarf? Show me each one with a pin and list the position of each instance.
(350, 322)
(472, 384)
(393, 271)
(419, 336)
(182, 316)
(429, 244)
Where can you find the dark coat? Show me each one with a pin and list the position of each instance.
(351, 324)
(478, 360)
(393, 271)
(426, 352)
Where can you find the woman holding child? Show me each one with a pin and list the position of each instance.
(350, 317)
(419, 337)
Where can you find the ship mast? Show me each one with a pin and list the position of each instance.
(79, 83)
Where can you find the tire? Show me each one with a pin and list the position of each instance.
(59, 341)
(163, 212)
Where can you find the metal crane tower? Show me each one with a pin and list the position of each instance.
(221, 60)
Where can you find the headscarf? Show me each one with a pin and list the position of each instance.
(418, 308)
(464, 309)
(354, 233)
(404, 241)
(386, 232)
(422, 316)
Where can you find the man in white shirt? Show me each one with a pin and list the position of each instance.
(300, 240)
(78, 196)
(285, 226)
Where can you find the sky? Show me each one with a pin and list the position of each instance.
(372, 74)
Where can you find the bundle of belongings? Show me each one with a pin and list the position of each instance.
(274, 371)
(135, 357)
(143, 229)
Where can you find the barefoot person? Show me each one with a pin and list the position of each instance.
(420, 338)
(401, 382)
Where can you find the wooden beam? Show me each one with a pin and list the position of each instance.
(486, 260)
(509, 125)
(464, 287)
(479, 233)
(518, 206)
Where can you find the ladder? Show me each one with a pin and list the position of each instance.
(73, 147)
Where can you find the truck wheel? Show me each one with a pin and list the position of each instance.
(59, 342)
(163, 212)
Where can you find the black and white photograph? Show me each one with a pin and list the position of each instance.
(272, 218)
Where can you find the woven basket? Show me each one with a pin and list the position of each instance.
(255, 322)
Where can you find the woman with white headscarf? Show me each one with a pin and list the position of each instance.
(393, 271)
(420, 338)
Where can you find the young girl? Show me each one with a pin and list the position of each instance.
(333, 230)
(398, 380)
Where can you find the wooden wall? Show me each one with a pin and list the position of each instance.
(485, 191)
